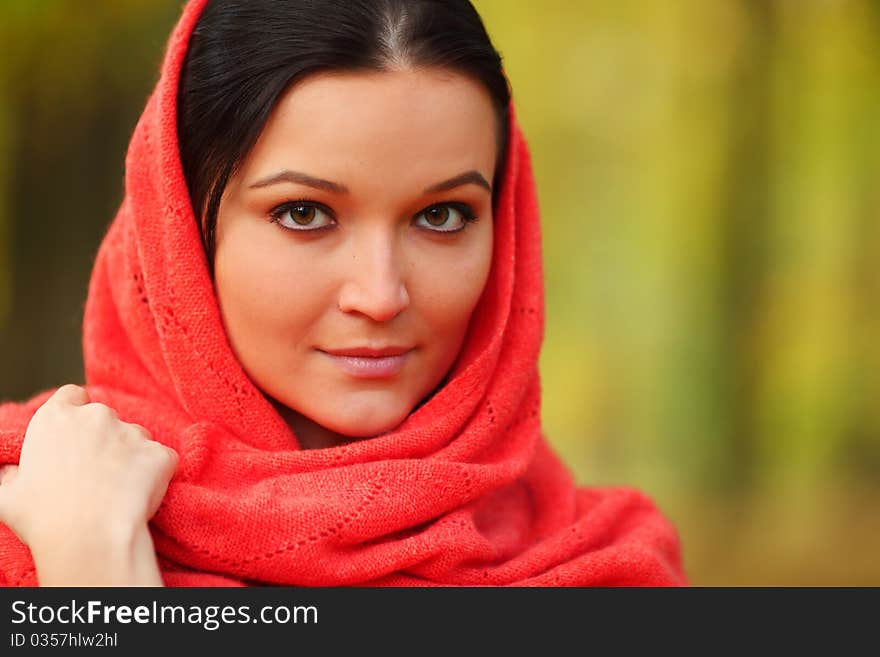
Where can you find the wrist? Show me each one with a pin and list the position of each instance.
(124, 556)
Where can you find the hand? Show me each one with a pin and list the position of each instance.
(85, 488)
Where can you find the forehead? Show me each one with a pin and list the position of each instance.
(413, 122)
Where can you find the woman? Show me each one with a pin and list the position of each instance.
(327, 373)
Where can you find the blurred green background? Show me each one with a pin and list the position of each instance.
(707, 172)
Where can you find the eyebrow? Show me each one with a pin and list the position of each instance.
(466, 178)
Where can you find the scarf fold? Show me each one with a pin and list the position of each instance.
(465, 491)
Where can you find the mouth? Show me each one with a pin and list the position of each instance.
(369, 363)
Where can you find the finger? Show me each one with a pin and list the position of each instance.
(172, 459)
(175, 457)
(162, 481)
(100, 411)
(140, 430)
(71, 394)
(7, 473)
(165, 458)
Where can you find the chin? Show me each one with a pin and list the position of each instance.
(354, 429)
(366, 422)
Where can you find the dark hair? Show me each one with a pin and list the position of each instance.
(243, 55)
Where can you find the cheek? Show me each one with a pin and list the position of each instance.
(265, 296)
(449, 290)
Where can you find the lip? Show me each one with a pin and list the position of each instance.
(369, 363)
(368, 352)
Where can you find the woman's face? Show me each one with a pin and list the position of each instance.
(347, 264)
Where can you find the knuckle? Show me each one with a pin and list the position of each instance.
(169, 460)
(162, 454)
(65, 391)
(100, 411)
(139, 431)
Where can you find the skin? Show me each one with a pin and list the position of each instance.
(81, 496)
(386, 272)
(382, 274)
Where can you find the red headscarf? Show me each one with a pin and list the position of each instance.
(464, 492)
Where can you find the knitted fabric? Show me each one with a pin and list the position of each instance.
(465, 491)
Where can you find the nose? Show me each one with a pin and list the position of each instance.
(374, 284)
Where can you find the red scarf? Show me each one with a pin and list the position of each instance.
(465, 492)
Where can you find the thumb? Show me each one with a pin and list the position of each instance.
(7, 474)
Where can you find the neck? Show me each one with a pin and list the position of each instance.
(309, 433)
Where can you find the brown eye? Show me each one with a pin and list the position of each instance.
(303, 214)
(438, 215)
(446, 217)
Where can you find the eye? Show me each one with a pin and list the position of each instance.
(302, 216)
(447, 217)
